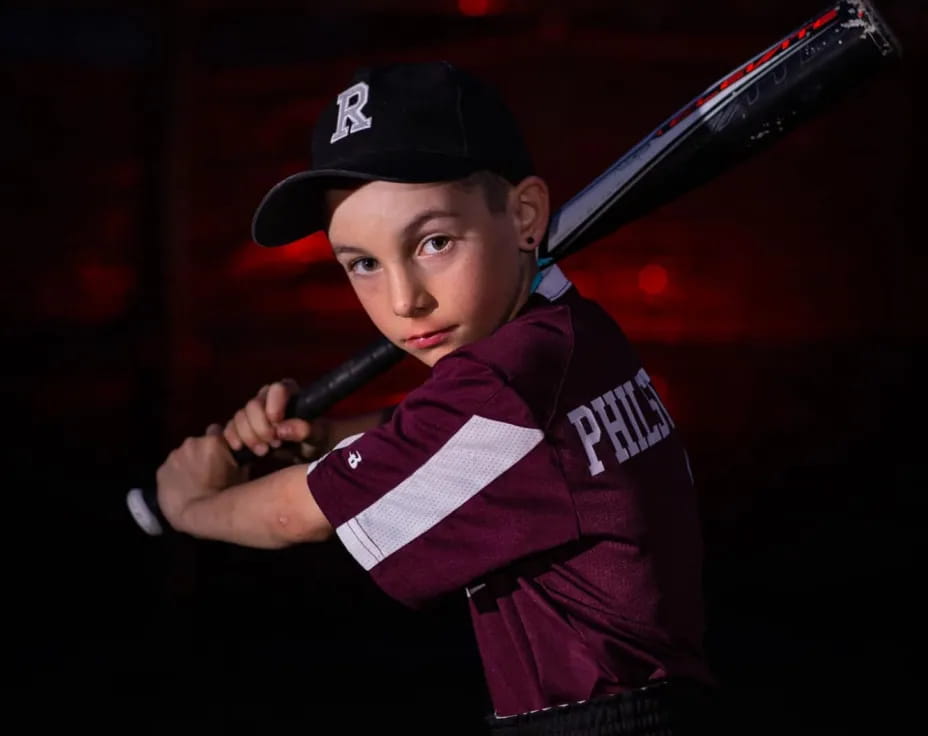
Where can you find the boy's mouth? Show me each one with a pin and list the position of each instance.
(429, 339)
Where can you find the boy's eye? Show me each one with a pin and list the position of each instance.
(363, 265)
(436, 244)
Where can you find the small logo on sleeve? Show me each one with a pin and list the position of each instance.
(354, 459)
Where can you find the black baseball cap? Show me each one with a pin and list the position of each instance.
(420, 122)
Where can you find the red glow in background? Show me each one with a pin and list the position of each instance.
(779, 309)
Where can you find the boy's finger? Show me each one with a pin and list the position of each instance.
(231, 435)
(258, 419)
(247, 432)
(294, 430)
(213, 430)
(276, 402)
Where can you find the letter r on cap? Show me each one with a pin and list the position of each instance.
(350, 103)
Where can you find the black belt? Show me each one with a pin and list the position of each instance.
(665, 708)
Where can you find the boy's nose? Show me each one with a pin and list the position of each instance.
(409, 296)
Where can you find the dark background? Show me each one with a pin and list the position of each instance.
(137, 140)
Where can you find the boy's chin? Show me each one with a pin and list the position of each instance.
(432, 355)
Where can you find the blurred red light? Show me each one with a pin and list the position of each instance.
(103, 292)
(660, 385)
(252, 258)
(474, 7)
(653, 279)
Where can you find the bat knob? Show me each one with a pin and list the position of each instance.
(142, 513)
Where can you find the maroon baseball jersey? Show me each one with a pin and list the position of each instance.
(538, 471)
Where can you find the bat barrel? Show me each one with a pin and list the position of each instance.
(745, 111)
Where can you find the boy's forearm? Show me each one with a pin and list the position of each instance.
(270, 512)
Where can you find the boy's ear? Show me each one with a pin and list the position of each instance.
(531, 209)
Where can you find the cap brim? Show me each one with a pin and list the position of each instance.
(293, 208)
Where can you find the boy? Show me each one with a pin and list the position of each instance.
(536, 469)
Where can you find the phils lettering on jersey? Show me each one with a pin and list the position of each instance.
(631, 415)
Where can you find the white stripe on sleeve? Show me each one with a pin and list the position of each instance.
(478, 453)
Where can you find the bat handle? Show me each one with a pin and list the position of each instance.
(307, 403)
(143, 505)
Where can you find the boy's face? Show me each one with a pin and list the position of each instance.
(433, 267)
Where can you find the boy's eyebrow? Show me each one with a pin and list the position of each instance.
(423, 217)
(339, 249)
(405, 232)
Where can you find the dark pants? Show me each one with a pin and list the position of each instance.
(665, 708)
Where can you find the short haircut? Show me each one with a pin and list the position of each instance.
(494, 187)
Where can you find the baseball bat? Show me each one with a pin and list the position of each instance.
(745, 111)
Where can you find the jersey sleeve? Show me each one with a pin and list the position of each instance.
(459, 482)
